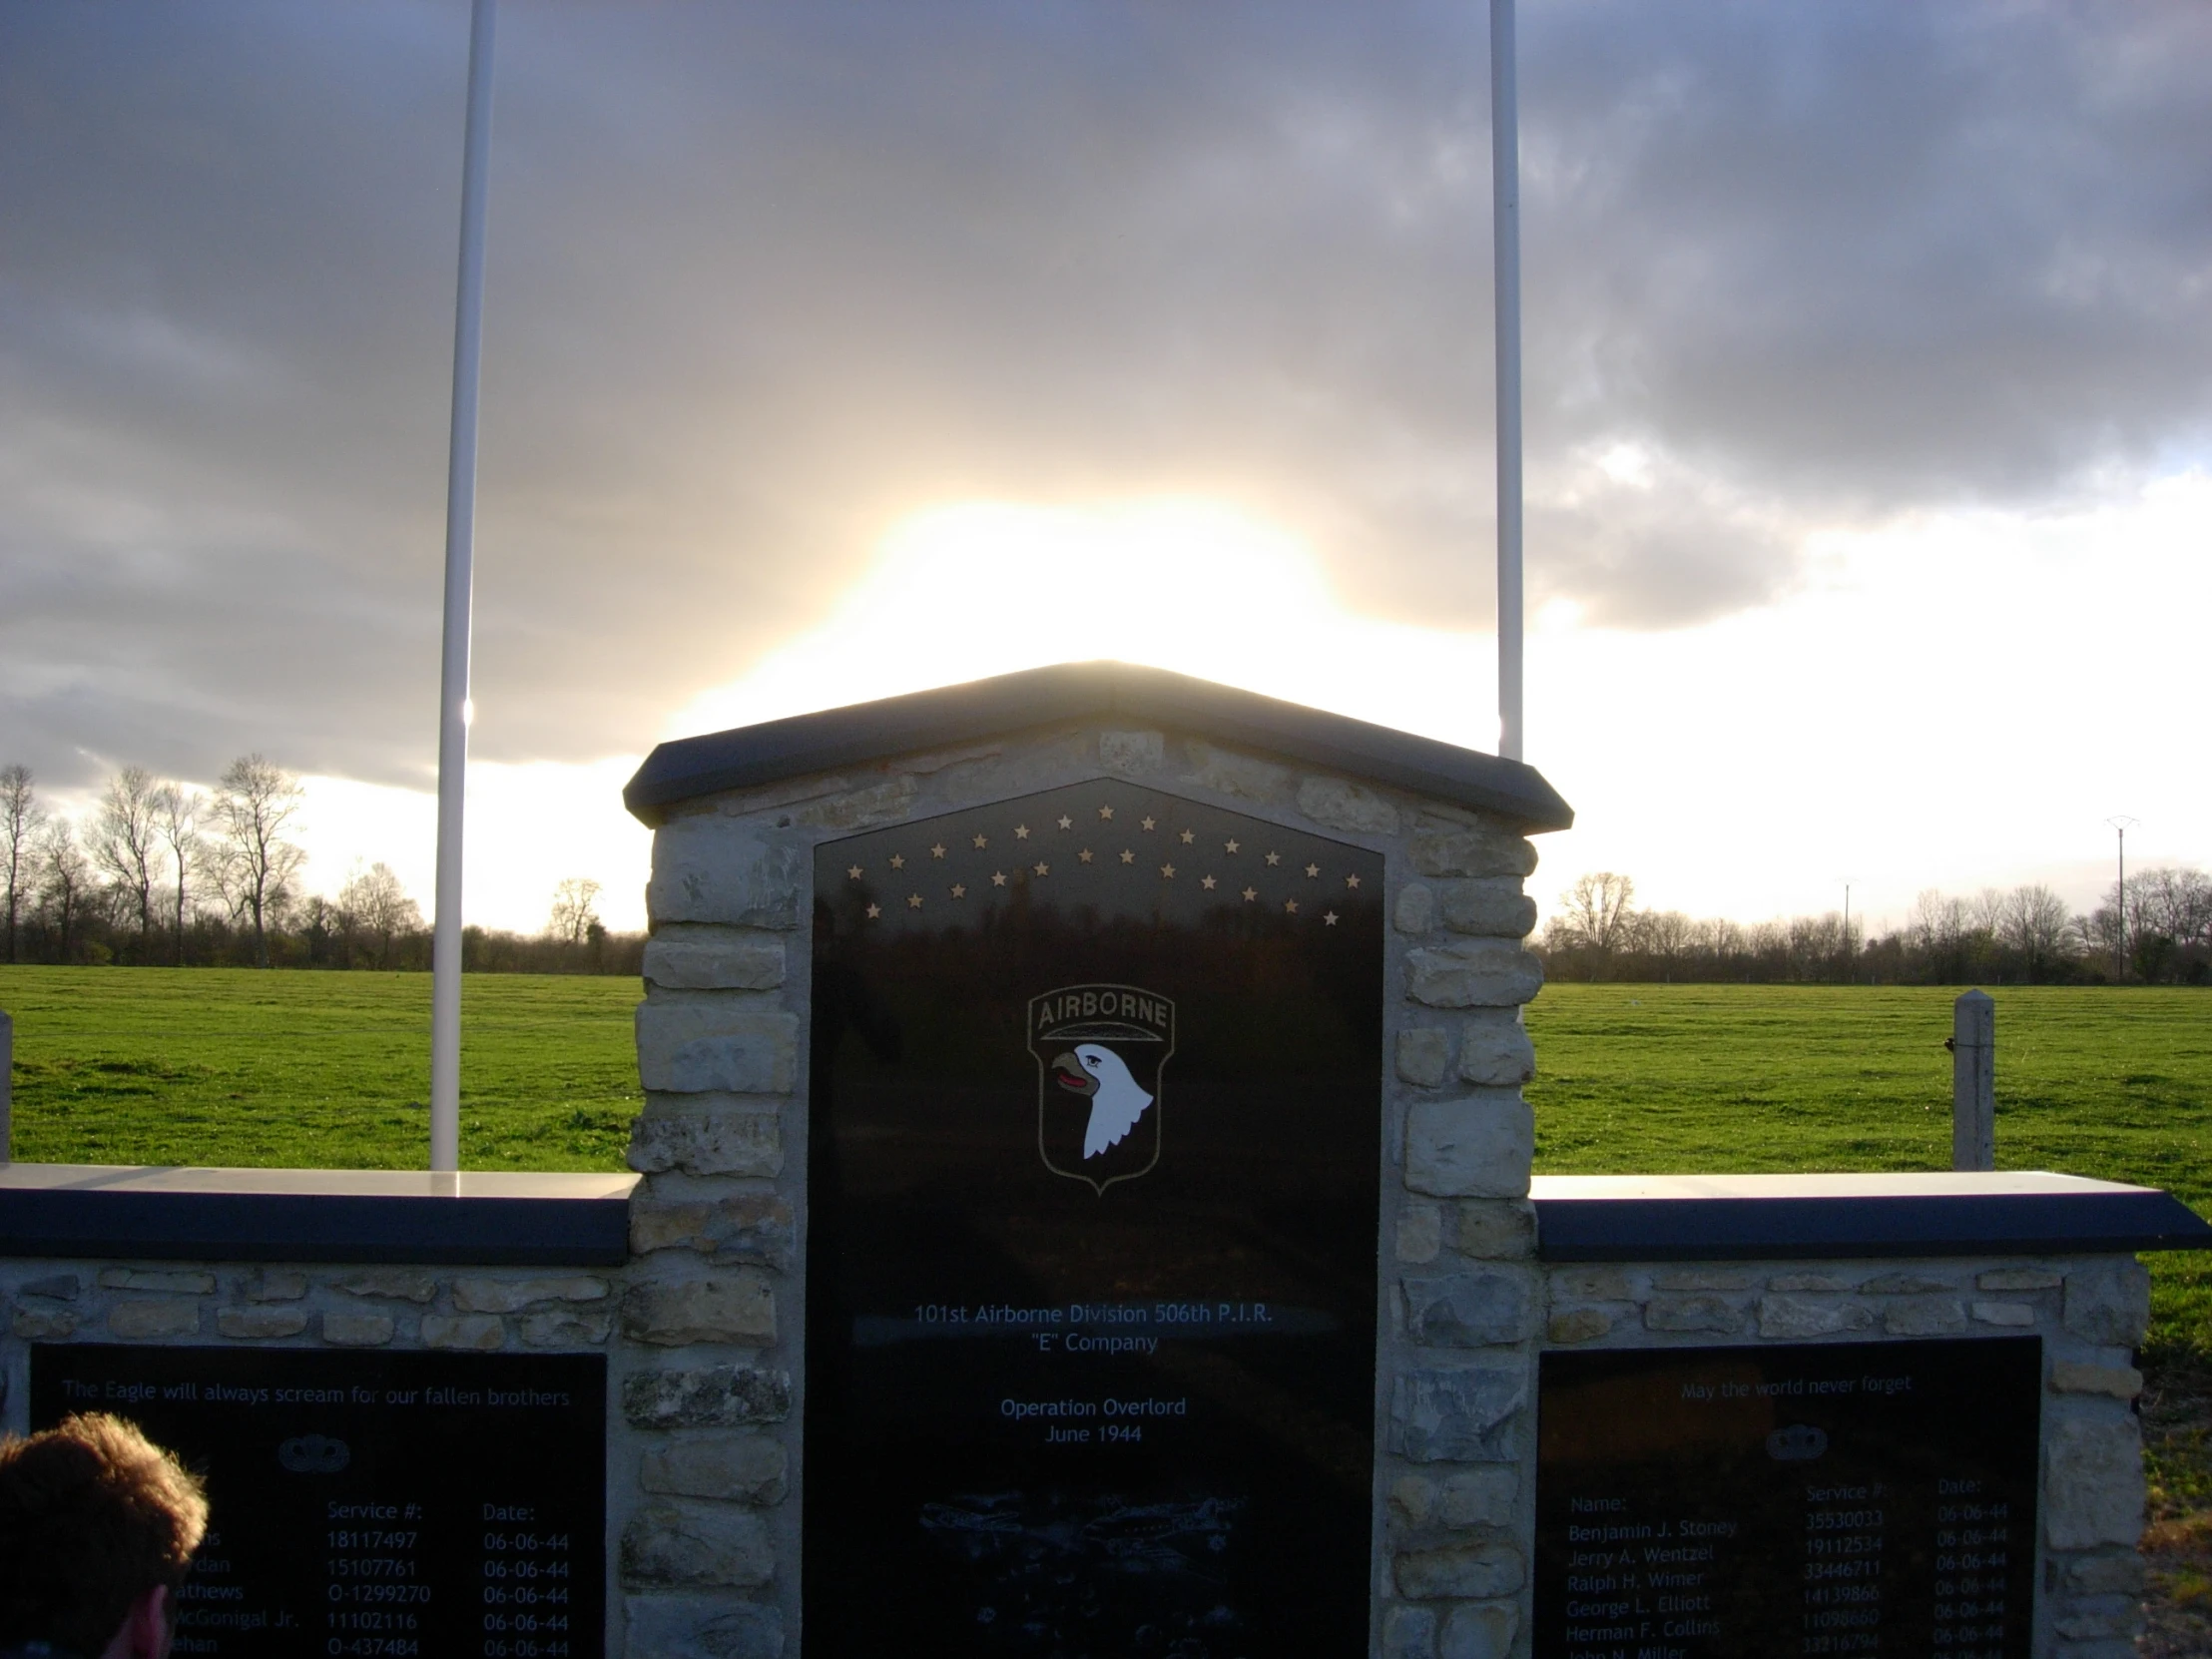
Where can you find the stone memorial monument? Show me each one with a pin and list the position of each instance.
(1083, 1207)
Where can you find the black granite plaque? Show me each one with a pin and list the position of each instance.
(1092, 1181)
(373, 1504)
(1860, 1498)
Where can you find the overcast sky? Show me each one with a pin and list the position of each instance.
(1869, 354)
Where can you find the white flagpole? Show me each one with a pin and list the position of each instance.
(1505, 222)
(460, 559)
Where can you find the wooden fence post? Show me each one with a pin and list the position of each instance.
(1973, 1082)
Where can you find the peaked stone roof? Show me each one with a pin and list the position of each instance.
(868, 732)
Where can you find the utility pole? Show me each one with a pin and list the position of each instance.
(460, 573)
(2123, 824)
(1505, 254)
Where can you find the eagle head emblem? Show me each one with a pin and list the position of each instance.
(1101, 1051)
(1116, 1101)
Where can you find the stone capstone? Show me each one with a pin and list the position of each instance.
(1470, 846)
(708, 869)
(741, 1142)
(1466, 1310)
(1473, 973)
(670, 1543)
(509, 1296)
(698, 1047)
(2093, 1484)
(356, 1330)
(1494, 908)
(737, 1468)
(1344, 806)
(715, 962)
(1480, 1146)
(155, 1317)
(1480, 1631)
(2108, 1302)
(1455, 1415)
(712, 1397)
(1460, 1570)
(735, 1307)
(702, 1627)
(260, 1324)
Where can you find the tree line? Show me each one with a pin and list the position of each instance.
(162, 874)
(2157, 930)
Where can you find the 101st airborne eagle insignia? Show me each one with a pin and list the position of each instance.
(1101, 1053)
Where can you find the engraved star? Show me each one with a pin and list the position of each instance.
(958, 891)
(983, 841)
(1290, 907)
(1228, 846)
(1351, 881)
(999, 879)
(1147, 823)
(898, 860)
(1106, 815)
(1275, 858)
(1044, 868)
(1206, 881)
(1021, 831)
(874, 911)
(1328, 919)
(937, 851)
(1127, 856)
(854, 871)
(1188, 838)
(1250, 893)
(913, 901)
(1168, 871)
(1313, 870)
(1085, 854)
(1066, 823)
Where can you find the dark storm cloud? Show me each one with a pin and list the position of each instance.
(765, 279)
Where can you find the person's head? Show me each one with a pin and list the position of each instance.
(96, 1529)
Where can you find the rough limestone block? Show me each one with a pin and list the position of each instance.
(356, 1330)
(1591, 1284)
(737, 1227)
(1457, 1415)
(2018, 1279)
(2099, 1618)
(563, 1329)
(167, 1316)
(1227, 772)
(1466, 1310)
(477, 1333)
(43, 1325)
(1794, 1318)
(2108, 1301)
(1412, 1500)
(712, 1397)
(1483, 1630)
(394, 1284)
(748, 1142)
(1481, 1497)
(1578, 1325)
(2093, 1650)
(1460, 1570)
(707, 869)
(1693, 1313)
(2119, 1573)
(2002, 1312)
(1702, 1279)
(717, 962)
(1473, 973)
(1477, 1147)
(1799, 1282)
(1906, 1283)
(1469, 846)
(2071, 1377)
(1926, 1316)
(1492, 908)
(1408, 1633)
(276, 1285)
(702, 1627)
(1420, 1233)
(697, 1047)
(253, 1324)
(510, 1296)
(736, 1468)
(172, 1281)
(1344, 806)
(1131, 752)
(1424, 1056)
(738, 1308)
(55, 1287)
(1495, 1229)
(890, 802)
(2093, 1484)
(1415, 911)
(1494, 1049)
(668, 1543)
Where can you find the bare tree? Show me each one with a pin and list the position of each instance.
(2033, 923)
(1597, 910)
(374, 901)
(176, 812)
(65, 876)
(20, 818)
(575, 911)
(253, 804)
(123, 844)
